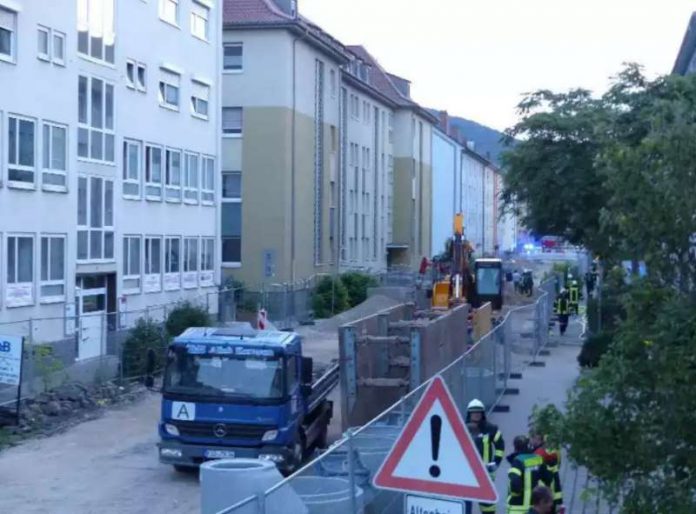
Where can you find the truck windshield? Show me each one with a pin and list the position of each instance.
(228, 375)
(488, 281)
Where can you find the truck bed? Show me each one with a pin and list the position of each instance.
(322, 387)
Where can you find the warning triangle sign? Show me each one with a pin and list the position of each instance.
(434, 455)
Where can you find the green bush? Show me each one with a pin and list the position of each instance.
(145, 335)
(594, 347)
(186, 315)
(357, 285)
(329, 288)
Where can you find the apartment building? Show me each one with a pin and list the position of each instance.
(410, 173)
(108, 162)
(280, 144)
(366, 185)
(447, 199)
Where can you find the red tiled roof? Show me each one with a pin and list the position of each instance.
(379, 78)
(253, 11)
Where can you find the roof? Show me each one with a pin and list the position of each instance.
(264, 14)
(237, 333)
(382, 81)
(687, 49)
(480, 158)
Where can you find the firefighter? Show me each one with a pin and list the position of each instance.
(527, 471)
(492, 444)
(574, 296)
(561, 308)
(552, 459)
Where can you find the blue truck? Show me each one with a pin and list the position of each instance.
(237, 392)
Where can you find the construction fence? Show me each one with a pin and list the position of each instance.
(342, 476)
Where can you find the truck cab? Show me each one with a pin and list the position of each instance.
(239, 392)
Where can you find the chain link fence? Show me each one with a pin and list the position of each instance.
(341, 477)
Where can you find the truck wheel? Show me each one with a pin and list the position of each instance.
(298, 451)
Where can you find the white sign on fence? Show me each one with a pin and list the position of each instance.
(10, 359)
(420, 505)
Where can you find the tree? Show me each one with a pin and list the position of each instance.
(630, 420)
(551, 180)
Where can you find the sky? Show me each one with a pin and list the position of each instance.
(476, 58)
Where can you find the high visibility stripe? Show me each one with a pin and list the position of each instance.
(515, 471)
(558, 496)
(500, 453)
(527, 487)
(497, 437)
(486, 508)
(486, 449)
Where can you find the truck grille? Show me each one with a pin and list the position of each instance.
(222, 431)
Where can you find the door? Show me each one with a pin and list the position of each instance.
(92, 327)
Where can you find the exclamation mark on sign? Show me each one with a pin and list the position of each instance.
(435, 429)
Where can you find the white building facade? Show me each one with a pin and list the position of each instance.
(108, 162)
(447, 188)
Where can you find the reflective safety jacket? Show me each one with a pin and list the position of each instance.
(561, 305)
(574, 291)
(552, 459)
(527, 471)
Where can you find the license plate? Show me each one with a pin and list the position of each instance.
(219, 454)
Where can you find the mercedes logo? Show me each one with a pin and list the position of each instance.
(220, 431)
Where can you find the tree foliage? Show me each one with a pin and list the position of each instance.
(617, 174)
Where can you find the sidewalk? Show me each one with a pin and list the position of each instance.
(540, 386)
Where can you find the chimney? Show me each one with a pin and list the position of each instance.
(454, 133)
(444, 122)
(471, 146)
(287, 6)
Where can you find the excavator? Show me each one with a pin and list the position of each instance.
(457, 284)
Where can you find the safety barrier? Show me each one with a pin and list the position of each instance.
(481, 372)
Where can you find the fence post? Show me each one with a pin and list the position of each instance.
(351, 472)
(415, 378)
(261, 502)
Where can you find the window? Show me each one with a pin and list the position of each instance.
(231, 185)
(95, 219)
(55, 151)
(51, 45)
(190, 262)
(207, 276)
(58, 48)
(332, 83)
(135, 75)
(21, 150)
(199, 99)
(20, 271)
(8, 35)
(95, 135)
(169, 11)
(169, 89)
(172, 263)
(131, 264)
(95, 29)
(208, 181)
(191, 178)
(232, 60)
(232, 121)
(132, 166)
(44, 39)
(172, 175)
(199, 21)
(153, 172)
(231, 232)
(152, 281)
(52, 287)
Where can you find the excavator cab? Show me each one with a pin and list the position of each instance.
(489, 282)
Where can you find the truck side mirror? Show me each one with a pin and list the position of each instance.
(307, 370)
